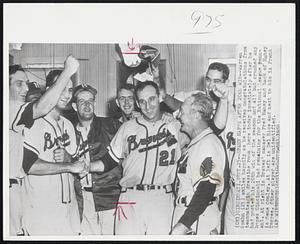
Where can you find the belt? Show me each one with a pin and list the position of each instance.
(13, 181)
(89, 189)
(140, 187)
(183, 201)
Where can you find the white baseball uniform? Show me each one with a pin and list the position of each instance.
(20, 116)
(203, 160)
(50, 207)
(228, 135)
(148, 152)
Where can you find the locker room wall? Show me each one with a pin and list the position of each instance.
(98, 64)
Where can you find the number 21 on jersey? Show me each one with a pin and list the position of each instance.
(166, 158)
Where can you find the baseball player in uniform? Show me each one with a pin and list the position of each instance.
(147, 148)
(221, 90)
(217, 75)
(50, 206)
(200, 171)
(21, 116)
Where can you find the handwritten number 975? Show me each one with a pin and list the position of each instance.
(199, 18)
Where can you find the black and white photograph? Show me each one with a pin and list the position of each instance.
(127, 137)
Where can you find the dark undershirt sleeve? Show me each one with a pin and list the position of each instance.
(201, 198)
(213, 126)
(108, 162)
(27, 116)
(29, 158)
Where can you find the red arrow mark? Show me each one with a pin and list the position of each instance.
(131, 46)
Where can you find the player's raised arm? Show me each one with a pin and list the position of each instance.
(171, 102)
(220, 118)
(51, 96)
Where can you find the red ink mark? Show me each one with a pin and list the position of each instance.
(119, 209)
(131, 46)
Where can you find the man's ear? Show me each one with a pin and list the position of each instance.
(117, 102)
(74, 106)
(160, 97)
(197, 115)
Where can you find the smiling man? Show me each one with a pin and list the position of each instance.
(200, 170)
(126, 102)
(50, 205)
(147, 149)
(97, 192)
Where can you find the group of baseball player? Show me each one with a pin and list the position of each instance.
(147, 173)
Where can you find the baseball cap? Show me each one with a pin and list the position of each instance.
(33, 87)
(84, 87)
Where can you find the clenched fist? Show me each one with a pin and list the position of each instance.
(80, 167)
(221, 90)
(71, 65)
(167, 118)
(60, 155)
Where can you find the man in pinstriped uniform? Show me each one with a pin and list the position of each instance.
(50, 206)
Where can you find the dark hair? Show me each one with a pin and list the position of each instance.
(13, 69)
(141, 85)
(126, 86)
(220, 67)
(50, 78)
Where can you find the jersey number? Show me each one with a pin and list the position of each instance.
(163, 158)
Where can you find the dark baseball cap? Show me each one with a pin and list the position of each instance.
(33, 87)
(84, 87)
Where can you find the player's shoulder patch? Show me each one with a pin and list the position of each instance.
(206, 166)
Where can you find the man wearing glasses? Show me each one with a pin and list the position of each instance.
(126, 102)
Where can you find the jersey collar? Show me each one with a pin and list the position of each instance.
(204, 133)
